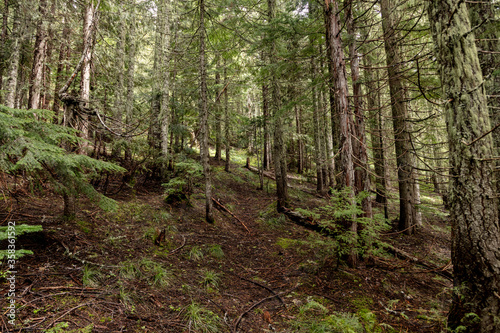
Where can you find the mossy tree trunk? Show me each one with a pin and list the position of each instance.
(279, 153)
(342, 109)
(408, 215)
(204, 152)
(474, 212)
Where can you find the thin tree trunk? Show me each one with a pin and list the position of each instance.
(474, 206)
(316, 129)
(402, 128)
(227, 121)
(63, 55)
(129, 103)
(218, 122)
(204, 152)
(362, 179)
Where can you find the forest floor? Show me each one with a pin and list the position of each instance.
(103, 272)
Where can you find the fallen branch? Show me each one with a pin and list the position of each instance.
(260, 285)
(180, 247)
(431, 267)
(65, 313)
(258, 303)
(271, 176)
(230, 213)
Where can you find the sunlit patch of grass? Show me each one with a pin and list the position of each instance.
(129, 270)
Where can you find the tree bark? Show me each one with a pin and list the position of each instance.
(36, 79)
(227, 121)
(474, 206)
(342, 107)
(204, 152)
(402, 128)
(13, 68)
(279, 153)
(362, 179)
(3, 40)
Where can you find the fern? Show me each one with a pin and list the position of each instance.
(15, 231)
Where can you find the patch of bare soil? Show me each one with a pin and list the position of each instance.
(153, 267)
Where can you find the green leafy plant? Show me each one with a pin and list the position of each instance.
(130, 271)
(181, 186)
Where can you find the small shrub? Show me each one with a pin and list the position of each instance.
(216, 251)
(210, 279)
(195, 253)
(91, 276)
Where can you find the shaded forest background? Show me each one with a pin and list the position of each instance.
(340, 100)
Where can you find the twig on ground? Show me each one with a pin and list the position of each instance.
(228, 211)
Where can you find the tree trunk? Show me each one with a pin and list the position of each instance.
(402, 128)
(227, 122)
(474, 206)
(339, 79)
(89, 25)
(3, 41)
(362, 178)
(204, 152)
(36, 79)
(130, 62)
(13, 68)
(318, 152)
(279, 153)
(63, 56)
(218, 122)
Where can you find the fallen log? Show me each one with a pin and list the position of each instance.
(230, 213)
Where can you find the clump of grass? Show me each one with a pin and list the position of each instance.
(161, 276)
(210, 279)
(91, 276)
(195, 253)
(130, 271)
(201, 319)
(216, 251)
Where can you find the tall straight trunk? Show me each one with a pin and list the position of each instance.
(218, 122)
(482, 15)
(362, 177)
(63, 56)
(376, 129)
(316, 129)
(474, 205)
(279, 153)
(3, 40)
(120, 78)
(204, 152)
(227, 121)
(130, 61)
(300, 143)
(36, 79)
(47, 97)
(266, 158)
(89, 24)
(15, 55)
(402, 127)
(342, 107)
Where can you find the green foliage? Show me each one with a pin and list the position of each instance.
(313, 317)
(195, 253)
(130, 271)
(210, 279)
(335, 218)
(201, 319)
(216, 251)
(91, 276)
(15, 231)
(187, 172)
(33, 146)
(62, 327)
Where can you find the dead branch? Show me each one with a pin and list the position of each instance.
(229, 212)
